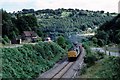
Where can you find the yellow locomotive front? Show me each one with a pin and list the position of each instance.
(72, 54)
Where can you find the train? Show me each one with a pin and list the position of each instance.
(74, 51)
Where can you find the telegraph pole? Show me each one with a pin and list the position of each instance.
(119, 6)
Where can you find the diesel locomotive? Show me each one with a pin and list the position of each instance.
(74, 51)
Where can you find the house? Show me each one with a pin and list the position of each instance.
(29, 36)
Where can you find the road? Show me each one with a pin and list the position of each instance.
(107, 52)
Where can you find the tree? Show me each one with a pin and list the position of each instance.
(94, 40)
(117, 38)
(84, 27)
(6, 39)
(103, 36)
(7, 24)
(100, 42)
(61, 41)
(102, 12)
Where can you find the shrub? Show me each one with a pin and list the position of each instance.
(90, 60)
(101, 42)
(94, 40)
(61, 41)
(100, 55)
(110, 68)
(39, 39)
(30, 60)
(83, 70)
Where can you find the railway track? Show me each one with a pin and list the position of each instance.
(60, 73)
(64, 69)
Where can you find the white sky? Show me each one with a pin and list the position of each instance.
(17, 5)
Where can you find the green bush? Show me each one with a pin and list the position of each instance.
(90, 60)
(100, 55)
(110, 68)
(90, 57)
(101, 42)
(30, 60)
(61, 41)
(94, 40)
(83, 70)
(39, 39)
(5, 40)
(87, 48)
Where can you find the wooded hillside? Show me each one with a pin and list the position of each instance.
(51, 22)
(109, 32)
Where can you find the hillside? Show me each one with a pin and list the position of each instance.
(50, 22)
(29, 61)
(70, 20)
(109, 32)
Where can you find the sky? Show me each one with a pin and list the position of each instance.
(95, 5)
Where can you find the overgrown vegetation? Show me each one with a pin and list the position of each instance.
(91, 57)
(99, 65)
(107, 68)
(30, 60)
(108, 33)
(110, 68)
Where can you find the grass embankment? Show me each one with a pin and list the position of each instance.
(30, 60)
(106, 68)
(100, 66)
(90, 72)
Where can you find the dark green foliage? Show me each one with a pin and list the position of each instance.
(73, 23)
(117, 37)
(101, 42)
(48, 21)
(14, 25)
(68, 44)
(30, 60)
(61, 41)
(90, 60)
(86, 46)
(94, 40)
(83, 70)
(5, 40)
(91, 57)
(28, 22)
(110, 68)
(109, 32)
(100, 55)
